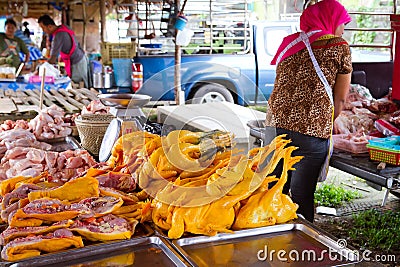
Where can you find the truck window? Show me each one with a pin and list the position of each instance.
(369, 33)
(276, 34)
(218, 28)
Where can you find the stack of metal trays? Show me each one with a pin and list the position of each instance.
(291, 244)
(297, 243)
(144, 249)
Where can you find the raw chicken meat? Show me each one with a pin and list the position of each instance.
(62, 166)
(49, 124)
(95, 107)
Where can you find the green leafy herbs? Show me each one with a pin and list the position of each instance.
(364, 21)
(374, 229)
(331, 195)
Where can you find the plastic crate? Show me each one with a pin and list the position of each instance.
(117, 50)
(385, 150)
(391, 143)
(38, 79)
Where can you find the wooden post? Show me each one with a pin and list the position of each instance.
(84, 25)
(102, 20)
(177, 82)
(42, 89)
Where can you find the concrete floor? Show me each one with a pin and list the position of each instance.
(369, 194)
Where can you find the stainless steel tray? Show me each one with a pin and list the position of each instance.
(124, 100)
(151, 251)
(63, 143)
(8, 80)
(99, 251)
(292, 244)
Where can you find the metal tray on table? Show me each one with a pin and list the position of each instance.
(291, 244)
(150, 251)
(63, 143)
(141, 248)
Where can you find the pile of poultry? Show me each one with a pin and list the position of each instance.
(185, 182)
(199, 183)
(44, 217)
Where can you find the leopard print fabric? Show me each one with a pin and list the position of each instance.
(299, 101)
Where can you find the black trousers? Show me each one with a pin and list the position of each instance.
(302, 182)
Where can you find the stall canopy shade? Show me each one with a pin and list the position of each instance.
(36, 8)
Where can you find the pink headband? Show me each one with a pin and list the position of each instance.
(324, 16)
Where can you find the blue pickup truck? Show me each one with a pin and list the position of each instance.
(234, 66)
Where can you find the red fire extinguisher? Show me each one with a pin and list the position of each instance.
(137, 76)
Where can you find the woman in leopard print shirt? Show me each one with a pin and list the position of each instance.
(299, 105)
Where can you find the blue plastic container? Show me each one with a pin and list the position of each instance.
(122, 71)
(389, 143)
(180, 23)
(151, 45)
(97, 67)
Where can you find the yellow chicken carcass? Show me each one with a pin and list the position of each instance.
(125, 150)
(162, 214)
(72, 191)
(209, 219)
(195, 154)
(248, 174)
(187, 207)
(10, 184)
(156, 172)
(211, 205)
(216, 209)
(140, 211)
(195, 191)
(220, 138)
(191, 151)
(270, 206)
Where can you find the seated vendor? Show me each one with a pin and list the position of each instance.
(10, 45)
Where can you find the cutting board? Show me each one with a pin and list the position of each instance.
(7, 105)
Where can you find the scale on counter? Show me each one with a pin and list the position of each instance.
(129, 118)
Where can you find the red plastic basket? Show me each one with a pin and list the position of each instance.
(383, 155)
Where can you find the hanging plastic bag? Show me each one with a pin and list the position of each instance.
(184, 36)
(50, 70)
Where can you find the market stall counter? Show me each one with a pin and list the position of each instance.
(291, 244)
(359, 165)
(22, 85)
(100, 214)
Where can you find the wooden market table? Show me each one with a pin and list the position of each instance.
(18, 99)
(361, 166)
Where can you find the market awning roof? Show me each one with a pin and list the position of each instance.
(36, 8)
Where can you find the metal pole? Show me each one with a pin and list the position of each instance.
(395, 24)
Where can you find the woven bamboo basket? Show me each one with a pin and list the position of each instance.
(91, 129)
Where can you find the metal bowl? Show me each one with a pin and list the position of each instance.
(124, 100)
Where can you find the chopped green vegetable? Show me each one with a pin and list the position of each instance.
(331, 195)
